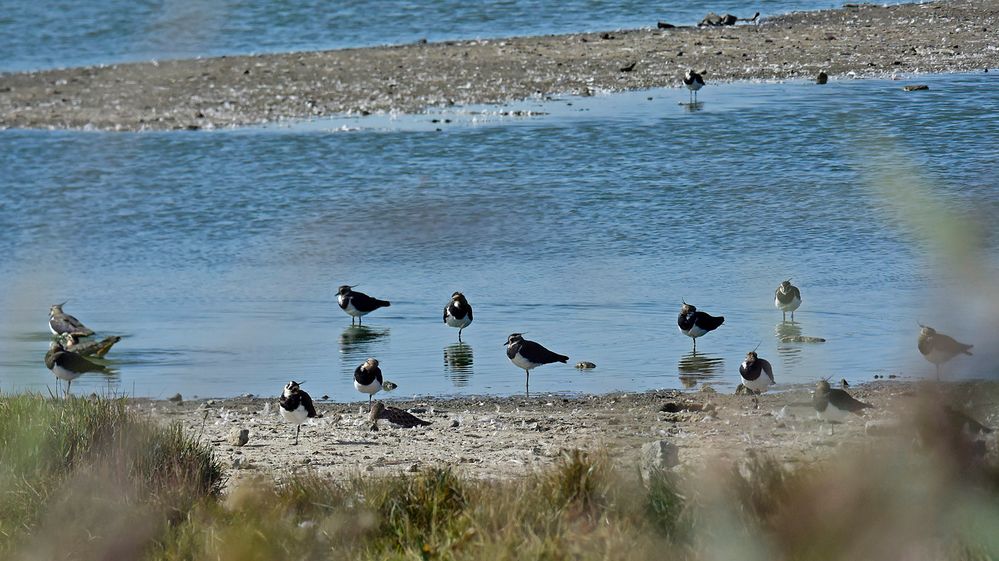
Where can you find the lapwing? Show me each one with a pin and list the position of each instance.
(357, 304)
(694, 324)
(835, 405)
(67, 365)
(458, 313)
(787, 298)
(757, 373)
(100, 348)
(61, 322)
(957, 435)
(296, 406)
(528, 354)
(368, 379)
(939, 348)
(694, 82)
(395, 416)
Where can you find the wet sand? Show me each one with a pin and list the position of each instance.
(503, 437)
(856, 41)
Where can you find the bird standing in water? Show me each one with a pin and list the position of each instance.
(458, 313)
(694, 82)
(357, 304)
(787, 298)
(694, 324)
(529, 355)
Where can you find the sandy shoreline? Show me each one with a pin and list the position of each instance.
(865, 40)
(501, 437)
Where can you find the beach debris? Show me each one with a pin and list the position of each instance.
(628, 67)
(801, 339)
(666, 25)
(714, 20)
(822, 78)
(915, 87)
(585, 365)
(658, 456)
(239, 437)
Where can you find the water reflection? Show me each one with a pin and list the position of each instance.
(785, 330)
(693, 107)
(697, 367)
(458, 363)
(787, 333)
(357, 342)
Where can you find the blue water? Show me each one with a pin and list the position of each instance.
(217, 254)
(60, 33)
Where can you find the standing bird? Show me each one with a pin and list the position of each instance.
(368, 379)
(60, 322)
(835, 405)
(395, 416)
(693, 324)
(694, 82)
(296, 406)
(528, 354)
(752, 371)
(357, 304)
(458, 313)
(787, 298)
(67, 365)
(939, 348)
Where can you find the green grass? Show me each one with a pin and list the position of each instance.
(85, 479)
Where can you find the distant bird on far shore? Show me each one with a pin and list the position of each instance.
(296, 406)
(694, 324)
(394, 416)
(939, 348)
(67, 365)
(835, 405)
(694, 82)
(458, 313)
(368, 379)
(357, 304)
(757, 373)
(529, 355)
(822, 78)
(787, 298)
(61, 322)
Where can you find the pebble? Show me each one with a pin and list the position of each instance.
(239, 437)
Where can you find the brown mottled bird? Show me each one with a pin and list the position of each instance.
(71, 342)
(61, 322)
(835, 405)
(939, 348)
(395, 416)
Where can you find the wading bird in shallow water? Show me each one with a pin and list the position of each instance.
(693, 323)
(296, 406)
(835, 405)
(694, 82)
(939, 348)
(100, 348)
(395, 416)
(458, 313)
(368, 379)
(757, 373)
(357, 304)
(67, 365)
(787, 298)
(61, 322)
(529, 355)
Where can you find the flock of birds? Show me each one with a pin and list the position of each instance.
(69, 352)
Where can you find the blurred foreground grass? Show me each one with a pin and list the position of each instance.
(87, 479)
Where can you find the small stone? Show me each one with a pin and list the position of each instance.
(455, 423)
(239, 437)
(658, 456)
(236, 462)
(176, 398)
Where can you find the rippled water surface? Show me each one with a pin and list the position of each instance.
(216, 254)
(57, 33)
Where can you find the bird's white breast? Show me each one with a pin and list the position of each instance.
(694, 332)
(833, 413)
(64, 374)
(790, 306)
(298, 416)
(459, 323)
(523, 362)
(370, 389)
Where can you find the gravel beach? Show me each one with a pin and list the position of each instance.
(503, 437)
(857, 40)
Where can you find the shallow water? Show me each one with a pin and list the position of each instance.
(217, 253)
(59, 33)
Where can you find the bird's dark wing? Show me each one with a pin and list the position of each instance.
(846, 402)
(76, 363)
(66, 323)
(365, 303)
(951, 345)
(768, 369)
(795, 292)
(402, 418)
(685, 321)
(378, 375)
(536, 353)
(307, 402)
(708, 321)
(469, 313)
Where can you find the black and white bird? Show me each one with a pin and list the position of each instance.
(357, 304)
(529, 355)
(757, 373)
(694, 324)
(296, 406)
(61, 322)
(458, 313)
(694, 82)
(395, 416)
(787, 298)
(939, 348)
(67, 365)
(98, 349)
(835, 405)
(368, 379)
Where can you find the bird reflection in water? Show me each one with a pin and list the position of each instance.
(698, 367)
(458, 363)
(356, 341)
(787, 336)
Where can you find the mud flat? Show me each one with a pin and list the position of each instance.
(503, 437)
(859, 40)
